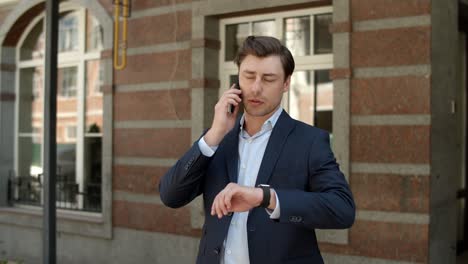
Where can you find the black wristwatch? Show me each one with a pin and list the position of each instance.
(266, 195)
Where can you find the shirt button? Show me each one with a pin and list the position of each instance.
(249, 140)
(229, 252)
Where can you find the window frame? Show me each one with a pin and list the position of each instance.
(79, 59)
(311, 62)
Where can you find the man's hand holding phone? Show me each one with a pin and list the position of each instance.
(224, 118)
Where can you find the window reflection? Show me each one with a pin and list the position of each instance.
(297, 35)
(67, 82)
(235, 35)
(67, 125)
(94, 33)
(322, 35)
(94, 81)
(29, 170)
(66, 171)
(324, 102)
(30, 101)
(33, 45)
(93, 173)
(310, 98)
(30, 149)
(68, 32)
(78, 132)
(264, 28)
(301, 97)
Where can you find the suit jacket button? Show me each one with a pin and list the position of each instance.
(295, 219)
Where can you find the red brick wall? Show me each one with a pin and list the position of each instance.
(394, 95)
(387, 142)
(151, 65)
(153, 105)
(378, 9)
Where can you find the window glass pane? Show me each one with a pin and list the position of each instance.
(94, 33)
(27, 186)
(93, 137)
(67, 82)
(324, 111)
(67, 124)
(93, 175)
(264, 28)
(67, 187)
(30, 99)
(235, 35)
(310, 100)
(77, 192)
(94, 81)
(68, 32)
(297, 35)
(322, 35)
(301, 97)
(30, 153)
(33, 45)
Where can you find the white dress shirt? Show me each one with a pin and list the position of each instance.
(251, 151)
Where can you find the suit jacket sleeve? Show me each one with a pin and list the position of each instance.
(184, 181)
(328, 204)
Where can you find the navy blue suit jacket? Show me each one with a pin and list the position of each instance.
(298, 163)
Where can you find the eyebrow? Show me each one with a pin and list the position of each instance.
(265, 75)
(270, 75)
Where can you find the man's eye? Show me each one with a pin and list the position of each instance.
(250, 77)
(269, 80)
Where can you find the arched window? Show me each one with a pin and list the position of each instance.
(79, 112)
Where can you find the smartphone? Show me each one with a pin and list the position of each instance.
(231, 107)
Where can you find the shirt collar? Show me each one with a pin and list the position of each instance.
(269, 123)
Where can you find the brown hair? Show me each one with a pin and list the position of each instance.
(262, 46)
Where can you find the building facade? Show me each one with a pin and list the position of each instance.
(386, 78)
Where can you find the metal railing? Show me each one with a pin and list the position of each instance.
(28, 190)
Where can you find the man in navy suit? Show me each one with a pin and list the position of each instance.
(267, 180)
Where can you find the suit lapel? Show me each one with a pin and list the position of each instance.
(232, 152)
(278, 137)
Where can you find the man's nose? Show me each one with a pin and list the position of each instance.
(257, 86)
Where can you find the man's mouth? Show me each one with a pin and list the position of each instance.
(255, 101)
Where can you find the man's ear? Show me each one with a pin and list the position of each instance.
(286, 84)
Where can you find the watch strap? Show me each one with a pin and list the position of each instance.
(266, 195)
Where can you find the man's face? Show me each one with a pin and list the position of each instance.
(263, 83)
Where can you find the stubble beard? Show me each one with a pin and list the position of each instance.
(260, 111)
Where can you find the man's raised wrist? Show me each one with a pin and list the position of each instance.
(266, 195)
(213, 137)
